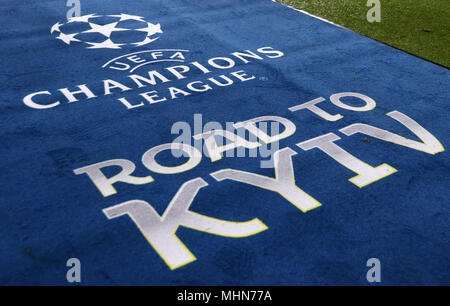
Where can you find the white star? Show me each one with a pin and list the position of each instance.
(84, 18)
(108, 44)
(67, 38)
(55, 27)
(151, 29)
(106, 29)
(147, 40)
(128, 17)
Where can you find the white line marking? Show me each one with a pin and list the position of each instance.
(157, 61)
(309, 14)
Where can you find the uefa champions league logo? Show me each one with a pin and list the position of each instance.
(107, 31)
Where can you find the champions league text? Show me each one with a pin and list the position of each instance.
(49, 99)
(160, 230)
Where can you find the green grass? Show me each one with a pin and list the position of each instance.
(420, 27)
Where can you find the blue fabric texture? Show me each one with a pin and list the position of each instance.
(50, 214)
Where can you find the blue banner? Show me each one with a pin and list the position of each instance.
(216, 143)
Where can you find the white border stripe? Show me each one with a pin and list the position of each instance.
(309, 14)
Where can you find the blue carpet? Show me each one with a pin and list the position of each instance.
(49, 213)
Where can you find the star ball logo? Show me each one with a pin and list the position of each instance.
(107, 31)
